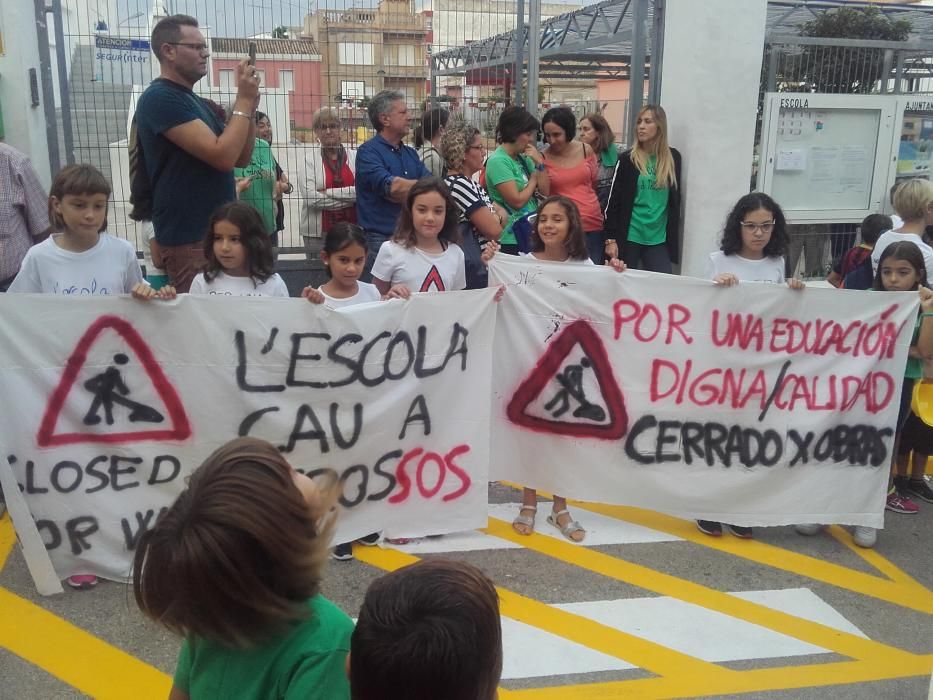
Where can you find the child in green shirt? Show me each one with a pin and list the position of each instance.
(235, 566)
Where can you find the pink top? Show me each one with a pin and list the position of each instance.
(578, 183)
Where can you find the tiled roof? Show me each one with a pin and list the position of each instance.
(264, 46)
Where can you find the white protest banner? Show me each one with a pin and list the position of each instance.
(753, 405)
(112, 402)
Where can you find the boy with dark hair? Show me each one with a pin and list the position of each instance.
(425, 632)
(850, 270)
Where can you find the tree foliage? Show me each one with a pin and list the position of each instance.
(843, 69)
(280, 33)
(857, 23)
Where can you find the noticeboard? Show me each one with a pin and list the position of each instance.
(828, 157)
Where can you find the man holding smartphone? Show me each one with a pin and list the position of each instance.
(189, 154)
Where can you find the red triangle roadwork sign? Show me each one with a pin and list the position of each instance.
(577, 333)
(177, 428)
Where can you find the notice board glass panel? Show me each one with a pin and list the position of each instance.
(825, 158)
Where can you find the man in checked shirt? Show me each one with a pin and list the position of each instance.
(24, 211)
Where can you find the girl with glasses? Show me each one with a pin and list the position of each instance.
(754, 242)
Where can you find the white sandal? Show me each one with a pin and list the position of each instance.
(526, 520)
(566, 530)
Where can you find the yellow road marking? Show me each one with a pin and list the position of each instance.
(785, 678)
(7, 538)
(74, 656)
(812, 632)
(637, 651)
(898, 592)
(880, 563)
(701, 679)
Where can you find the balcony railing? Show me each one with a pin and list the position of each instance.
(378, 20)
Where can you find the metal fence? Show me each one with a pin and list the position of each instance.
(840, 66)
(310, 54)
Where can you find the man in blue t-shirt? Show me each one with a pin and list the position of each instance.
(189, 155)
(386, 169)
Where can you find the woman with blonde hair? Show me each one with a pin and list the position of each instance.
(643, 213)
(328, 180)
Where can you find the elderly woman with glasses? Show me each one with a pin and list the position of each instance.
(328, 183)
(480, 220)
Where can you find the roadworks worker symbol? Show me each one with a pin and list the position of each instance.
(104, 397)
(572, 390)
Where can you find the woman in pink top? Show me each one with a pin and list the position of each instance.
(573, 169)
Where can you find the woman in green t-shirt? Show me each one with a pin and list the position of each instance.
(515, 170)
(643, 213)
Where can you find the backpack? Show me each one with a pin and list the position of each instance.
(140, 185)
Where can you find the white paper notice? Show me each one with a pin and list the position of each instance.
(855, 169)
(824, 169)
(792, 159)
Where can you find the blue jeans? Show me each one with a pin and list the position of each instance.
(374, 242)
(596, 246)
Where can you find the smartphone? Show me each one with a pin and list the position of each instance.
(252, 53)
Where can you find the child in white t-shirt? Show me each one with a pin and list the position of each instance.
(239, 256)
(344, 256)
(557, 236)
(423, 255)
(80, 258)
(753, 244)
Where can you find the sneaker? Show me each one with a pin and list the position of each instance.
(370, 540)
(81, 582)
(342, 552)
(399, 540)
(865, 536)
(897, 503)
(743, 533)
(808, 529)
(920, 489)
(710, 527)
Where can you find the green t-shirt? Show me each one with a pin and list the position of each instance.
(501, 167)
(914, 369)
(649, 212)
(306, 663)
(259, 193)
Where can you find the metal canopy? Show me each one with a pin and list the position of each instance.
(596, 41)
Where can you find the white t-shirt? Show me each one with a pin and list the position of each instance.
(110, 267)
(889, 237)
(584, 261)
(768, 269)
(420, 271)
(366, 292)
(239, 286)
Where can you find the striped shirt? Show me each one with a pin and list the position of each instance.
(23, 209)
(468, 195)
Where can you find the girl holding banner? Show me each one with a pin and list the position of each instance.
(557, 236)
(754, 241)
